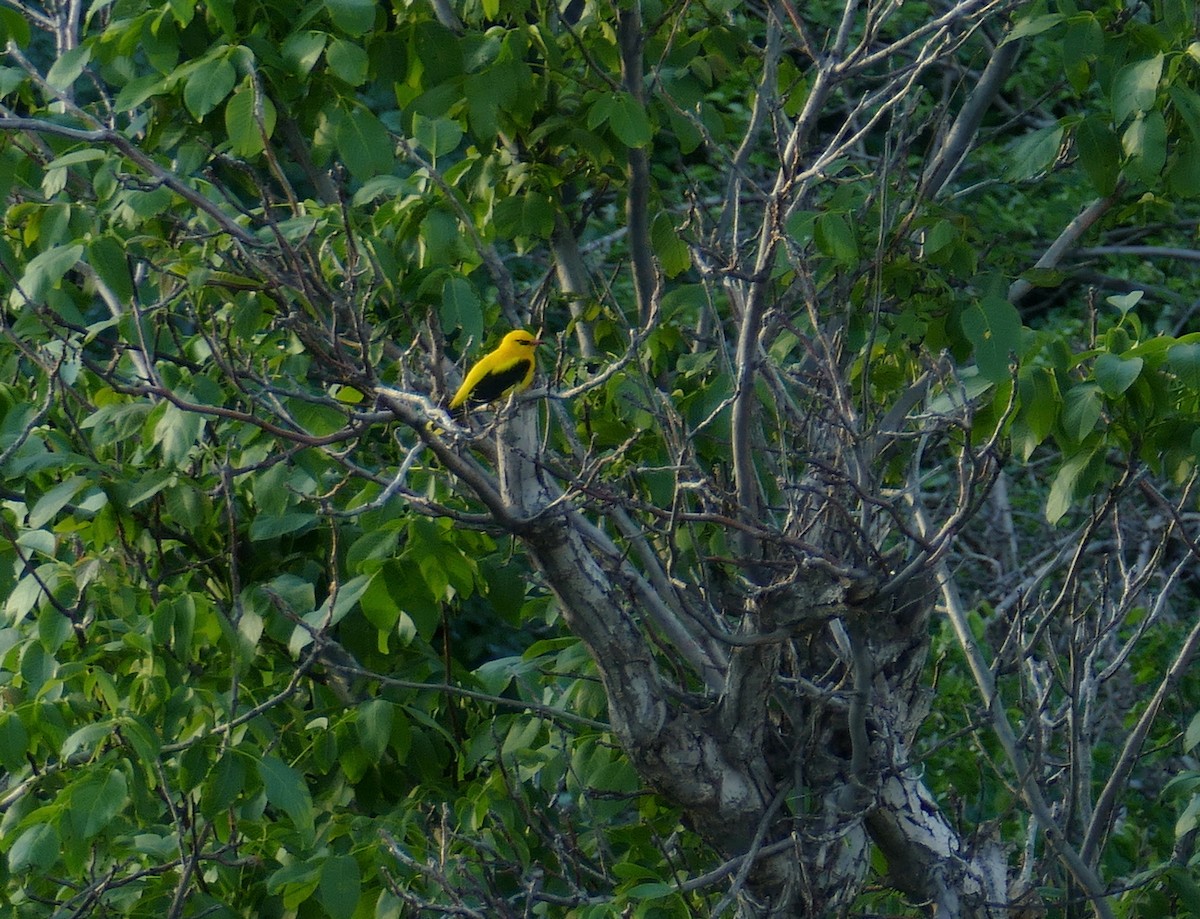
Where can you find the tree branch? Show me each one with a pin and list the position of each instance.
(1109, 800)
(1031, 791)
(955, 145)
(637, 196)
(1070, 235)
(125, 147)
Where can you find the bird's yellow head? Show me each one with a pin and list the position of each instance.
(519, 340)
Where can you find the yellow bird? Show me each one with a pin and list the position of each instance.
(509, 367)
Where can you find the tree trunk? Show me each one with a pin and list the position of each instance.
(800, 775)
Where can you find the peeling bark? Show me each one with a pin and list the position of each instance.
(726, 760)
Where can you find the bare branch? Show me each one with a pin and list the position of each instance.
(1070, 235)
(637, 196)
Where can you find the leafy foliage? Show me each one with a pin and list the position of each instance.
(268, 645)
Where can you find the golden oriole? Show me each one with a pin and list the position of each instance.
(509, 367)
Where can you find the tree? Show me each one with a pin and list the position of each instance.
(282, 637)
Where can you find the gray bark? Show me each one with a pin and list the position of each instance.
(770, 736)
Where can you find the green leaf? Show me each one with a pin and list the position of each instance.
(993, 326)
(438, 136)
(412, 596)
(139, 89)
(44, 272)
(1099, 153)
(494, 676)
(271, 492)
(1184, 361)
(295, 593)
(107, 257)
(672, 252)
(939, 236)
(1187, 103)
(355, 17)
(225, 783)
(1135, 88)
(140, 737)
(296, 882)
(14, 742)
(14, 26)
(599, 110)
(53, 501)
(1184, 175)
(1145, 142)
(287, 791)
(1062, 489)
(524, 735)
(87, 737)
(1084, 404)
(53, 630)
(68, 66)
(1082, 45)
(176, 433)
(461, 308)
(629, 121)
(186, 505)
(1034, 25)
(1034, 153)
(1191, 736)
(1185, 889)
(362, 142)
(265, 527)
(504, 87)
(441, 239)
(374, 727)
(1177, 18)
(146, 486)
(348, 595)
(835, 237)
(302, 50)
(382, 186)
(208, 85)
(340, 886)
(441, 55)
(528, 214)
(381, 609)
(970, 385)
(242, 127)
(159, 846)
(625, 117)
(484, 97)
(75, 157)
(652, 890)
(1115, 375)
(37, 848)
(1125, 302)
(182, 10)
(96, 801)
(317, 419)
(348, 62)
(11, 79)
(24, 597)
(38, 666)
(324, 617)
(1189, 819)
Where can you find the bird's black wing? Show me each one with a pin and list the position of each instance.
(494, 384)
